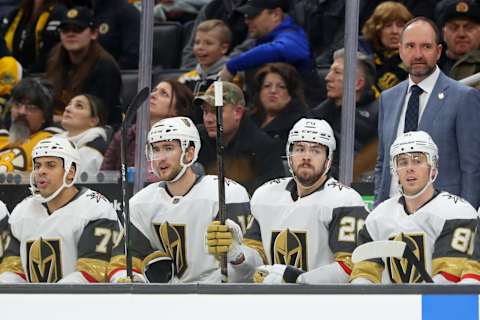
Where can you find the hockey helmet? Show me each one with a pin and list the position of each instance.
(175, 128)
(414, 141)
(59, 147)
(312, 130)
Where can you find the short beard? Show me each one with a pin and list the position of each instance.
(19, 131)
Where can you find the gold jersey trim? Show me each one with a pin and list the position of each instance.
(453, 266)
(345, 257)
(95, 268)
(12, 264)
(471, 267)
(258, 246)
(368, 270)
(119, 262)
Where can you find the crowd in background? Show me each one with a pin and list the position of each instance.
(61, 63)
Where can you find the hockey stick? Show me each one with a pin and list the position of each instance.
(389, 249)
(222, 207)
(136, 102)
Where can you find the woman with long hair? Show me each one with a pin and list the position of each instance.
(169, 98)
(278, 101)
(381, 39)
(79, 65)
(84, 122)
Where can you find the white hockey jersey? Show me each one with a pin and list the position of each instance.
(76, 237)
(177, 226)
(440, 234)
(307, 232)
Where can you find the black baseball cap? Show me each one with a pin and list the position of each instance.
(254, 7)
(447, 10)
(79, 16)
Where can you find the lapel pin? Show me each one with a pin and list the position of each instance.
(441, 95)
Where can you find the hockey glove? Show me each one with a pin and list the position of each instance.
(158, 267)
(122, 277)
(225, 239)
(276, 274)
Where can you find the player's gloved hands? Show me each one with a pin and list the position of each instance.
(121, 277)
(225, 239)
(268, 274)
(276, 274)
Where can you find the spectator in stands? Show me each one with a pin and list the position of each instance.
(11, 72)
(84, 121)
(277, 39)
(28, 122)
(366, 110)
(170, 98)
(460, 22)
(278, 101)
(30, 31)
(217, 9)
(212, 40)
(251, 156)
(381, 39)
(80, 65)
(119, 29)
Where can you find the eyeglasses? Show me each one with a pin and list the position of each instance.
(28, 107)
(72, 28)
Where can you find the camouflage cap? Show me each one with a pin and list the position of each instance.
(232, 94)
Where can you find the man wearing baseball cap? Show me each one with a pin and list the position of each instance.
(251, 156)
(278, 39)
(460, 23)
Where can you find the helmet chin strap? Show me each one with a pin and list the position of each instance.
(431, 180)
(180, 173)
(36, 193)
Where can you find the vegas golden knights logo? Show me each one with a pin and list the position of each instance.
(172, 237)
(401, 270)
(290, 248)
(44, 262)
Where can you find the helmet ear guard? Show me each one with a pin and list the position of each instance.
(315, 131)
(181, 129)
(59, 147)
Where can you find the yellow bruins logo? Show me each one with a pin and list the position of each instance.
(401, 270)
(172, 238)
(462, 7)
(103, 28)
(13, 159)
(73, 13)
(44, 261)
(387, 80)
(289, 248)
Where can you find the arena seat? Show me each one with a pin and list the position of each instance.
(167, 44)
(129, 86)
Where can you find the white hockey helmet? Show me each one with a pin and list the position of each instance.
(410, 142)
(176, 128)
(59, 147)
(414, 141)
(312, 130)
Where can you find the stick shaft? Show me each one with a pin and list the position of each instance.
(222, 206)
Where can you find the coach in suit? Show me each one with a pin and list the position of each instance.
(430, 101)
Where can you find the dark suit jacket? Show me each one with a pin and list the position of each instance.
(452, 118)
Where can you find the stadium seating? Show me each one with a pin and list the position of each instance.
(167, 44)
